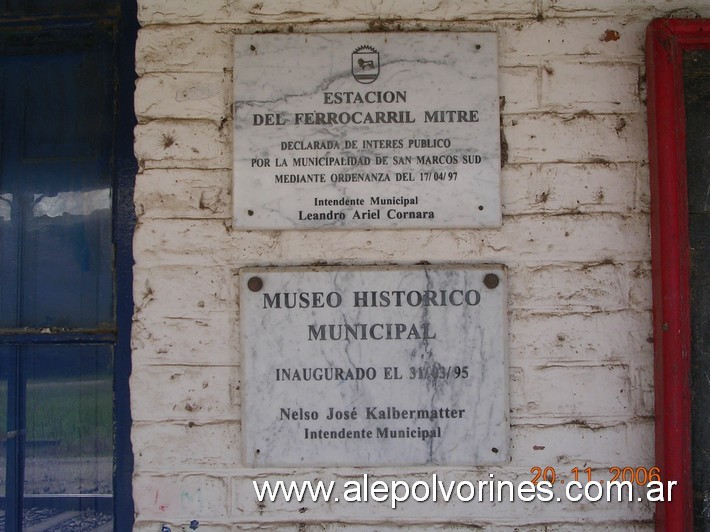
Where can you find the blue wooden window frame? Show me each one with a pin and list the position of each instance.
(123, 23)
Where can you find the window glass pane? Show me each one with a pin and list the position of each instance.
(56, 247)
(9, 256)
(69, 441)
(58, 250)
(56, 7)
(5, 364)
(11, 419)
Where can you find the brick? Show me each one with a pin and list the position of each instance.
(172, 291)
(642, 386)
(183, 340)
(603, 39)
(170, 393)
(574, 288)
(183, 96)
(577, 138)
(184, 193)
(520, 189)
(187, 496)
(185, 446)
(185, 48)
(520, 88)
(202, 243)
(580, 445)
(152, 526)
(183, 144)
(181, 12)
(593, 87)
(619, 526)
(643, 188)
(568, 188)
(298, 11)
(553, 392)
(580, 238)
(640, 295)
(595, 338)
(646, 9)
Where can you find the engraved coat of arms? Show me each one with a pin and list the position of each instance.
(365, 64)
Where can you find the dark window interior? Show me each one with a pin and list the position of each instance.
(696, 74)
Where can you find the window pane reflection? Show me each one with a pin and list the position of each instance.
(5, 207)
(58, 250)
(68, 443)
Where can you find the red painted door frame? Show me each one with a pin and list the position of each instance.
(666, 40)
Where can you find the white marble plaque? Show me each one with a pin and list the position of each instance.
(366, 130)
(374, 366)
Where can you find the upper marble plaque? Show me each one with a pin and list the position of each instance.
(374, 366)
(366, 130)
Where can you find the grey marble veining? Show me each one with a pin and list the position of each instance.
(370, 130)
(374, 366)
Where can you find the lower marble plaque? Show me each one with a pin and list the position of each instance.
(375, 366)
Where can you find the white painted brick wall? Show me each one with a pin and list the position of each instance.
(182, 96)
(295, 11)
(575, 239)
(597, 87)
